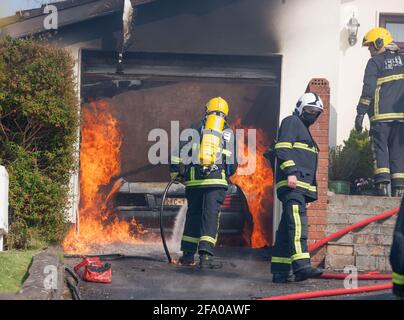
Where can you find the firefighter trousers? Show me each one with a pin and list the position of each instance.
(290, 251)
(388, 152)
(202, 219)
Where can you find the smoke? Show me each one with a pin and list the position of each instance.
(127, 18)
(149, 249)
(127, 30)
(179, 224)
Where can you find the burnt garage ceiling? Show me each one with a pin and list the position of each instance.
(101, 65)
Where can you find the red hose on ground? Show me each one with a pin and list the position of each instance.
(357, 225)
(332, 292)
(343, 276)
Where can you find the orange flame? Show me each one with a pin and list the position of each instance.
(99, 164)
(258, 188)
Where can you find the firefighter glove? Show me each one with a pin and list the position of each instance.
(359, 122)
(175, 176)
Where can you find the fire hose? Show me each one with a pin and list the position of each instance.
(163, 239)
(332, 292)
(73, 286)
(336, 292)
(355, 226)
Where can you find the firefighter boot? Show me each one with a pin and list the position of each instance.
(381, 189)
(307, 273)
(397, 192)
(187, 259)
(206, 261)
(283, 277)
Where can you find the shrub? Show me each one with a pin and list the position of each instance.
(38, 126)
(342, 163)
(353, 159)
(360, 142)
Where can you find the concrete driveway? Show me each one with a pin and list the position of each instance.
(245, 275)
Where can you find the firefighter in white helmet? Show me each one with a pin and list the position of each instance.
(297, 156)
(211, 161)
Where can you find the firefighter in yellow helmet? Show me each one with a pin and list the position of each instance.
(203, 164)
(383, 100)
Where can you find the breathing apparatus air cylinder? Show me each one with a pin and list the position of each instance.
(217, 110)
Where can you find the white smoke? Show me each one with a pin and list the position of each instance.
(179, 224)
(127, 22)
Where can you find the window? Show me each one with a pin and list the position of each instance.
(395, 24)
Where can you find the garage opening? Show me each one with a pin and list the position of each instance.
(121, 191)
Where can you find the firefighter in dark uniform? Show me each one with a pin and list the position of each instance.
(383, 100)
(206, 185)
(397, 255)
(296, 156)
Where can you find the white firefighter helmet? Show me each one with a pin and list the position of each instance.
(310, 102)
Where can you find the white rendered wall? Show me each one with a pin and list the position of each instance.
(4, 194)
(309, 42)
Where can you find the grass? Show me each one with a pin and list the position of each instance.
(14, 267)
(61, 255)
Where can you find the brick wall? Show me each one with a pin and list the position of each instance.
(367, 248)
(317, 213)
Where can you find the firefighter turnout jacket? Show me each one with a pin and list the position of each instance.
(383, 88)
(193, 177)
(297, 154)
(397, 254)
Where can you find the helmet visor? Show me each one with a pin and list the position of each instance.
(312, 110)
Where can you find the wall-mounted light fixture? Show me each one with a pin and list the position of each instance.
(353, 26)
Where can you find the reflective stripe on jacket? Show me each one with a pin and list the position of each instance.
(383, 88)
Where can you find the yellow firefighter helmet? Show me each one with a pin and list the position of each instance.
(217, 104)
(380, 37)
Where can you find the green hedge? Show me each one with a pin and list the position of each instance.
(360, 142)
(353, 159)
(38, 126)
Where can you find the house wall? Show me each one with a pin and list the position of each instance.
(310, 47)
(307, 36)
(208, 27)
(269, 27)
(310, 35)
(74, 193)
(308, 40)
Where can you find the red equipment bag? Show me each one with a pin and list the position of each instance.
(95, 270)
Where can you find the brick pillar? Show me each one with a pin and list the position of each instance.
(317, 213)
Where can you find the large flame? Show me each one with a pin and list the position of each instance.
(99, 167)
(258, 188)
